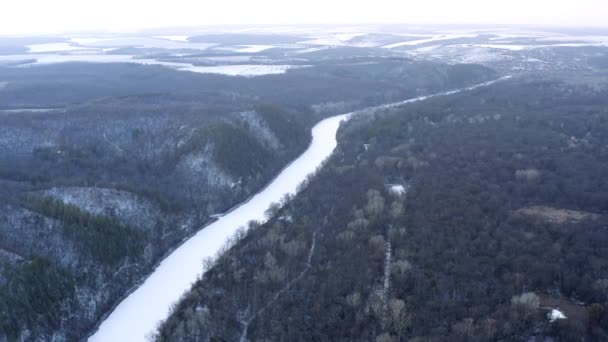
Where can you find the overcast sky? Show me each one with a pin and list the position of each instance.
(51, 16)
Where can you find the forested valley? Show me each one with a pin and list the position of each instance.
(479, 216)
(105, 168)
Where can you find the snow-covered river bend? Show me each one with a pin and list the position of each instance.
(138, 315)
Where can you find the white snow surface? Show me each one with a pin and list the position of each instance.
(327, 41)
(232, 59)
(55, 47)
(397, 189)
(427, 48)
(174, 38)
(231, 70)
(429, 40)
(313, 49)
(337, 39)
(128, 207)
(510, 47)
(140, 313)
(254, 48)
(29, 110)
(142, 42)
(513, 47)
(246, 48)
(555, 314)
(593, 39)
(64, 58)
(242, 69)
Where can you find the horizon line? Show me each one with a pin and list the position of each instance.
(334, 25)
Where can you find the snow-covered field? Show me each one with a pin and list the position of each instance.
(242, 69)
(247, 48)
(29, 110)
(427, 48)
(313, 49)
(174, 38)
(143, 42)
(513, 47)
(41, 59)
(482, 45)
(231, 70)
(326, 41)
(592, 39)
(49, 58)
(231, 59)
(429, 40)
(55, 47)
(397, 189)
(510, 47)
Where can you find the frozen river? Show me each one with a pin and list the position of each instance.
(138, 315)
(142, 310)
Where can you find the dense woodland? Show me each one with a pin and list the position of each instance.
(501, 220)
(357, 83)
(134, 159)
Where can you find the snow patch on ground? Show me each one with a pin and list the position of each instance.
(260, 129)
(500, 46)
(427, 48)
(232, 59)
(91, 58)
(141, 42)
(243, 69)
(555, 314)
(397, 189)
(254, 48)
(513, 47)
(592, 39)
(314, 49)
(328, 41)
(86, 40)
(183, 39)
(127, 207)
(55, 47)
(575, 44)
(430, 40)
(555, 215)
(349, 36)
(463, 54)
(231, 70)
(29, 110)
(335, 39)
(201, 166)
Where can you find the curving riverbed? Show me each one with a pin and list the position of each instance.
(138, 315)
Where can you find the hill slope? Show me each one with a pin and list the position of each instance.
(432, 222)
(138, 158)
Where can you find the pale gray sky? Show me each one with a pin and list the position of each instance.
(52, 16)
